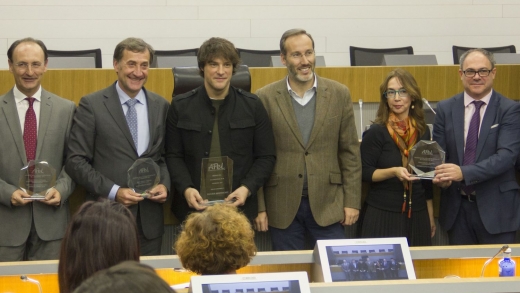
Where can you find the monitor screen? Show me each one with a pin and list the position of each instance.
(367, 260)
(291, 282)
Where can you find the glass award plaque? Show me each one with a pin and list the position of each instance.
(424, 157)
(36, 178)
(216, 179)
(143, 176)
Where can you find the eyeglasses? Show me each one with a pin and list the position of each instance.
(481, 72)
(390, 94)
(298, 55)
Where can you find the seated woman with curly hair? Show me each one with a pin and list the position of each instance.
(218, 240)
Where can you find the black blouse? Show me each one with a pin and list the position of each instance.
(379, 151)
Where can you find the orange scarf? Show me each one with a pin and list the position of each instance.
(404, 135)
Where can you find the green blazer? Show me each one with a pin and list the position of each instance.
(331, 156)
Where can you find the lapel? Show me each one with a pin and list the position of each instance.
(11, 115)
(322, 103)
(113, 105)
(284, 101)
(457, 116)
(45, 114)
(487, 122)
(153, 115)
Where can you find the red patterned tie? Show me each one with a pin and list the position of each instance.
(29, 131)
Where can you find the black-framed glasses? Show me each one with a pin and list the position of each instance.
(481, 72)
(390, 94)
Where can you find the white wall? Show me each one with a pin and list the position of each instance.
(430, 26)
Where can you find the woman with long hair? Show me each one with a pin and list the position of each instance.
(100, 235)
(398, 204)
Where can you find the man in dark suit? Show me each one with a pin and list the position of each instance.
(315, 187)
(35, 126)
(112, 129)
(480, 132)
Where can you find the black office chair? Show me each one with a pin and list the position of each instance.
(187, 78)
(374, 57)
(75, 59)
(458, 51)
(163, 58)
(257, 58)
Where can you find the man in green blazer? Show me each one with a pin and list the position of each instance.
(315, 187)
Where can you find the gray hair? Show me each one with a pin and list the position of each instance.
(484, 52)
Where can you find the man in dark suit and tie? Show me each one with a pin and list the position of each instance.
(480, 132)
(112, 129)
(35, 126)
(315, 187)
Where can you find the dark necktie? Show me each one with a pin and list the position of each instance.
(30, 131)
(131, 119)
(472, 141)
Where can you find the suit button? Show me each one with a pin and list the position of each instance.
(213, 112)
(306, 153)
(300, 175)
(206, 153)
(210, 132)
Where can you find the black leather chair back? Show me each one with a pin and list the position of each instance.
(374, 57)
(458, 51)
(187, 78)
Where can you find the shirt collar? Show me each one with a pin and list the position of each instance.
(313, 88)
(123, 97)
(19, 96)
(468, 100)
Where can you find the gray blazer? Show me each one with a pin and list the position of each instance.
(56, 116)
(331, 156)
(101, 150)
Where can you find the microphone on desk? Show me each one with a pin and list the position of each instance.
(428, 104)
(489, 260)
(27, 279)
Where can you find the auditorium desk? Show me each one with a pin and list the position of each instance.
(436, 82)
(430, 263)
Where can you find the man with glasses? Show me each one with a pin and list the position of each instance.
(315, 187)
(480, 132)
(35, 126)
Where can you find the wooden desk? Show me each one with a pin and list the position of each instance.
(429, 262)
(436, 82)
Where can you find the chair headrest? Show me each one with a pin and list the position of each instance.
(187, 78)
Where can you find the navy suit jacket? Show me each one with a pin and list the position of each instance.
(493, 174)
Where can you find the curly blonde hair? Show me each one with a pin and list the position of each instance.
(218, 240)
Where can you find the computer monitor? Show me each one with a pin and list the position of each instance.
(277, 62)
(71, 62)
(391, 261)
(290, 282)
(176, 61)
(507, 58)
(401, 60)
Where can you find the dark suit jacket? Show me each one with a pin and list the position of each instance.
(101, 150)
(54, 125)
(493, 174)
(331, 156)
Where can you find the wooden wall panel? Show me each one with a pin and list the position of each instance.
(436, 82)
